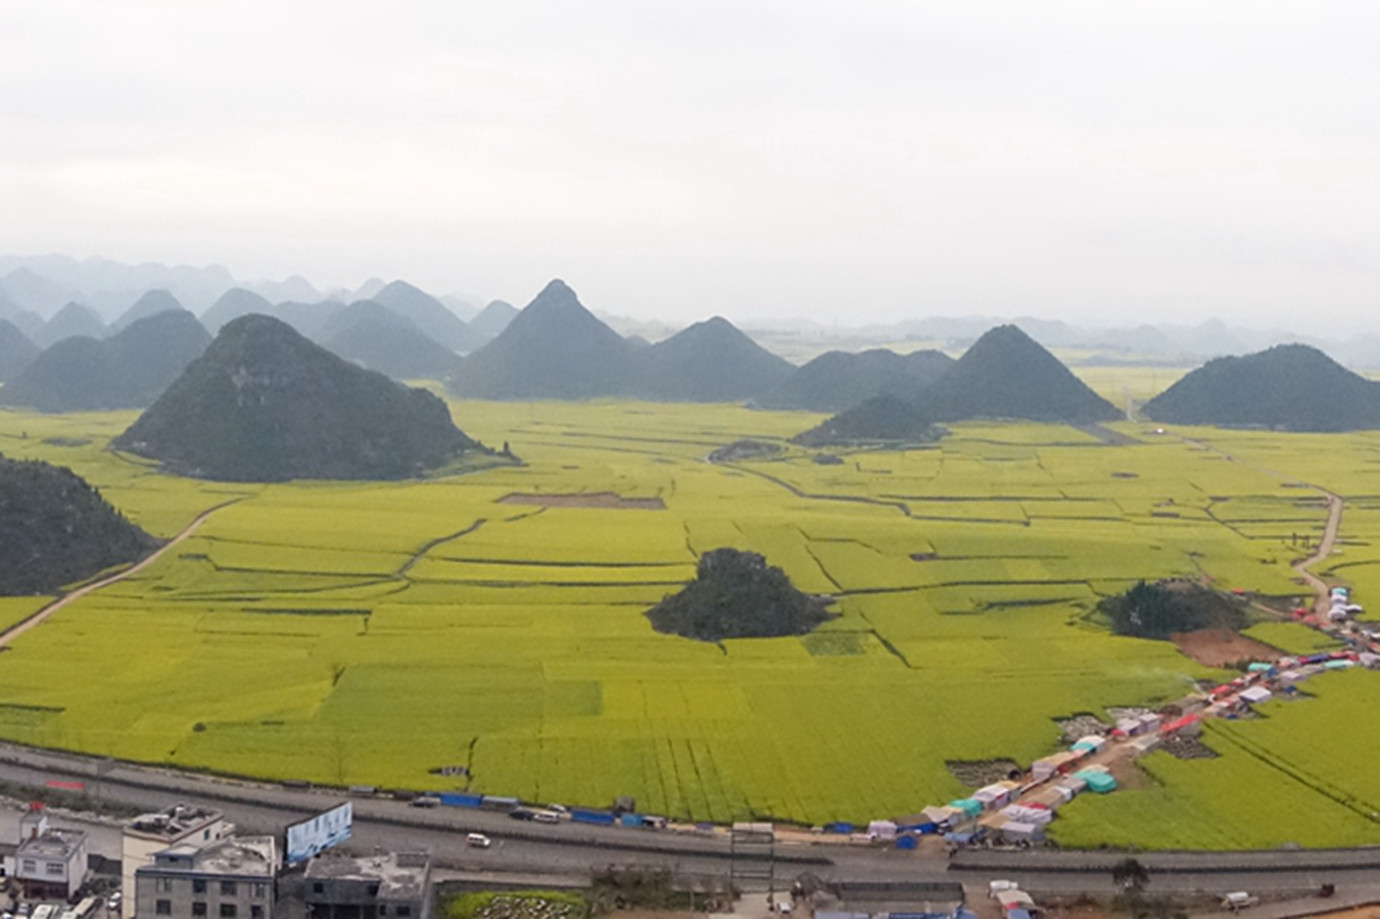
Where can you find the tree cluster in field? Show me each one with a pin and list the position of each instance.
(1159, 610)
(56, 529)
(737, 594)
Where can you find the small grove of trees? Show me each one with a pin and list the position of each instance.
(738, 595)
(1161, 609)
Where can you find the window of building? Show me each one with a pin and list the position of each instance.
(318, 887)
(227, 889)
(258, 890)
(53, 869)
(403, 911)
(227, 911)
(256, 912)
(373, 890)
(199, 908)
(162, 907)
(29, 866)
(162, 885)
(198, 885)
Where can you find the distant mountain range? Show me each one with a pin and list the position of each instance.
(42, 285)
(837, 379)
(127, 370)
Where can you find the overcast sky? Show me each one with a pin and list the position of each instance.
(866, 161)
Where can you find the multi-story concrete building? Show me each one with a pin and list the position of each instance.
(383, 886)
(228, 878)
(151, 833)
(49, 863)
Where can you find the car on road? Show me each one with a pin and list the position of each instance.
(478, 840)
(426, 801)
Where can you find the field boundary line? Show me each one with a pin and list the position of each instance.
(42, 615)
(438, 541)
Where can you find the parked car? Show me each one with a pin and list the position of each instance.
(426, 801)
(478, 840)
(996, 887)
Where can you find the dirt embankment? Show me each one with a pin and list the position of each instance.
(605, 499)
(1223, 647)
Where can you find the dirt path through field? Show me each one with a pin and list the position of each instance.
(1303, 568)
(38, 618)
(1329, 539)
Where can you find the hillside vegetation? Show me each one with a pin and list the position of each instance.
(1289, 387)
(55, 529)
(264, 404)
(1007, 374)
(837, 380)
(881, 419)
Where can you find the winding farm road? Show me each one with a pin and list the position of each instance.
(1329, 539)
(38, 618)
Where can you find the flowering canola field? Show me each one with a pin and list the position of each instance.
(370, 633)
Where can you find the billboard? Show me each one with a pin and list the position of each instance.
(316, 834)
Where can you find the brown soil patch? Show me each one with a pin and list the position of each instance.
(1223, 647)
(605, 499)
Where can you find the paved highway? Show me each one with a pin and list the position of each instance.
(568, 852)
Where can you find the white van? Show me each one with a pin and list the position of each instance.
(478, 840)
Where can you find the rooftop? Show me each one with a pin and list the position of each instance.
(52, 844)
(243, 856)
(400, 875)
(174, 822)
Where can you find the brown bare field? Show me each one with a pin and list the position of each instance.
(605, 499)
(1223, 647)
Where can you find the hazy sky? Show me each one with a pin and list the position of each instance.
(849, 162)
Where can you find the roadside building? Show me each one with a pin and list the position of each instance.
(148, 834)
(394, 885)
(49, 863)
(229, 878)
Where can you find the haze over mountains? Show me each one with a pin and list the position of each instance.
(41, 285)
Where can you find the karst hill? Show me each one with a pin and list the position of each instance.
(233, 304)
(837, 380)
(16, 351)
(883, 419)
(710, 361)
(128, 370)
(430, 315)
(55, 529)
(553, 349)
(1289, 387)
(1006, 374)
(72, 319)
(492, 320)
(373, 336)
(264, 404)
(151, 303)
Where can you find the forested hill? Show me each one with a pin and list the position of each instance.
(1007, 374)
(264, 404)
(1293, 387)
(55, 529)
